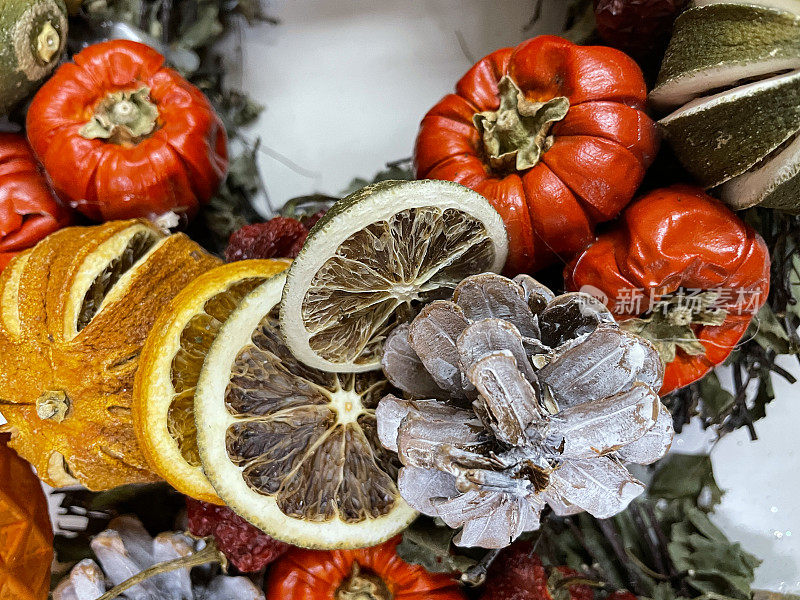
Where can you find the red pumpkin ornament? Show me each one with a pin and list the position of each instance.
(123, 136)
(553, 134)
(28, 210)
(678, 243)
(368, 574)
(26, 536)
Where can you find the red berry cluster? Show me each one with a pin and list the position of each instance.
(518, 574)
(248, 548)
(638, 27)
(280, 237)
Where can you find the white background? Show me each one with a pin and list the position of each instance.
(345, 84)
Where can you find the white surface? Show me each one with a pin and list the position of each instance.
(761, 508)
(345, 84)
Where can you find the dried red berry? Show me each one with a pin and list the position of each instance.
(248, 548)
(311, 220)
(518, 574)
(280, 237)
(638, 27)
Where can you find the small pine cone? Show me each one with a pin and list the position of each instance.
(516, 399)
(125, 549)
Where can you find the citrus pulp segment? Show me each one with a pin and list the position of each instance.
(292, 449)
(374, 257)
(170, 365)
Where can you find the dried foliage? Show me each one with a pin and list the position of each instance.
(187, 32)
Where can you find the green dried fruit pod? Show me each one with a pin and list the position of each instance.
(731, 76)
(33, 34)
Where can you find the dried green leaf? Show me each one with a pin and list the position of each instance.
(400, 169)
(429, 545)
(663, 591)
(204, 28)
(716, 401)
(768, 332)
(686, 477)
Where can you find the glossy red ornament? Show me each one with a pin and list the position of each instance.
(123, 136)
(553, 134)
(673, 239)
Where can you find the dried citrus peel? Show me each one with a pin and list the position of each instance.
(67, 393)
(170, 364)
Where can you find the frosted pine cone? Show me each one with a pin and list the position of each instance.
(125, 549)
(516, 399)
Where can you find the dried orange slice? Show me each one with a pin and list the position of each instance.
(163, 408)
(74, 313)
(293, 449)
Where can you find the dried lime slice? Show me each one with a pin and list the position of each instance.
(374, 258)
(292, 449)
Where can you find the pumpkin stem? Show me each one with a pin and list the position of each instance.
(48, 42)
(363, 586)
(53, 405)
(209, 554)
(670, 325)
(125, 117)
(517, 134)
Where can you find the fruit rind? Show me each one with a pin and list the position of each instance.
(775, 184)
(718, 44)
(153, 388)
(757, 117)
(213, 421)
(371, 204)
(21, 71)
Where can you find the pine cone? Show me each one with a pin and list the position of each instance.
(515, 399)
(125, 549)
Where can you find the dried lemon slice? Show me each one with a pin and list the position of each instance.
(292, 449)
(170, 363)
(374, 257)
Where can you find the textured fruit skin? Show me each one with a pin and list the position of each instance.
(26, 550)
(152, 386)
(177, 168)
(637, 27)
(93, 443)
(598, 157)
(21, 70)
(317, 574)
(248, 548)
(518, 574)
(28, 210)
(679, 237)
(280, 237)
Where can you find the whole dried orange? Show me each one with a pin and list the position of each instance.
(74, 314)
(26, 537)
(170, 363)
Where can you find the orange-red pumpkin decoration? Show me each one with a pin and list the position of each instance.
(26, 536)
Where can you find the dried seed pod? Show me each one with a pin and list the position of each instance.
(125, 549)
(562, 399)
